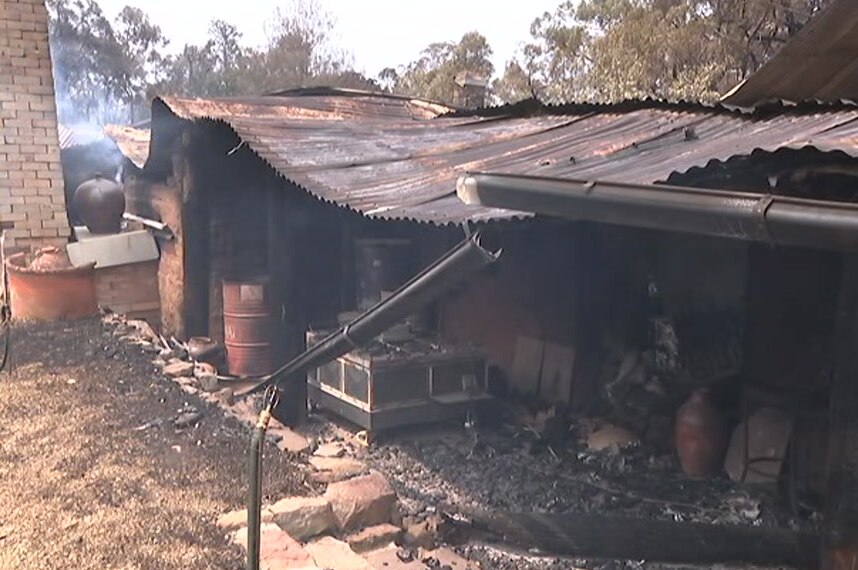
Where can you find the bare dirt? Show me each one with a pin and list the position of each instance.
(93, 473)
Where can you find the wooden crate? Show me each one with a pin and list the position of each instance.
(130, 289)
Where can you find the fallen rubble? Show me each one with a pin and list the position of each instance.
(546, 463)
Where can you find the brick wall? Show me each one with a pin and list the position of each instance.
(32, 202)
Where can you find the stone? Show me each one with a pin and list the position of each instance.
(235, 520)
(187, 418)
(207, 382)
(328, 552)
(419, 535)
(388, 559)
(373, 537)
(362, 501)
(610, 436)
(303, 517)
(225, 397)
(330, 449)
(288, 441)
(204, 369)
(277, 550)
(339, 467)
(244, 411)
(176, 368)
(425, 533)
(446, 558)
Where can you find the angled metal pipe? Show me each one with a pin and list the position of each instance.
(453, 268)
(739, 215)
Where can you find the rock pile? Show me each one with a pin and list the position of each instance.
(348, 528)
(174, 361)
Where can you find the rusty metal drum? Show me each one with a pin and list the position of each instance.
(248, 327)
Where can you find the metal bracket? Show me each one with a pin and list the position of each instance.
(760, 209)
(466, 227)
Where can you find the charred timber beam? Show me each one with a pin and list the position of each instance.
(452, 269)
(740, 215)
(841, 512)
(593, 536)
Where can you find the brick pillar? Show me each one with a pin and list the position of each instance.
(32, 199)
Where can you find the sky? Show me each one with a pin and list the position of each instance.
(378, 33)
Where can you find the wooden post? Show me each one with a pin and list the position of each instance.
(282, 252)
(195, 226)
(276, 271)
(841, 513)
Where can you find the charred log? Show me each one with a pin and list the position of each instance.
(594, 536)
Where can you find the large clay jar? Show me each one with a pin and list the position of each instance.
(700, 438)
(100, 203)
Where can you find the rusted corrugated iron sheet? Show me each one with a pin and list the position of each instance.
(819, 63)
(133, 143)
(77, 135)
(406, 168)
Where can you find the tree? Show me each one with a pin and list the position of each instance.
(83, 46)
(227, 55)
(107, 71)
(141, 62)
(192, 72)
(516, 84)
(677, 49)
(102, 70)
(299, 53)
(433, 75)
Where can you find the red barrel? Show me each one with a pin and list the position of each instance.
(248, 327)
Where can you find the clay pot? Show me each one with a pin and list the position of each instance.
(204, 349)
(700, 438)
(100, 203)
(50, 258)
(50, 294)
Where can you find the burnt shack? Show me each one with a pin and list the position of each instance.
(337, 197)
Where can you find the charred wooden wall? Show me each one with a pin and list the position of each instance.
(162, 201)
(530, 292)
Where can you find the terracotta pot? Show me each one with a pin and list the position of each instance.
(700, 438)
(100, 203)
(50, 294)
(50, 258)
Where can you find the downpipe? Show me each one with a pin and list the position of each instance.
(254, 495)
(449, 271)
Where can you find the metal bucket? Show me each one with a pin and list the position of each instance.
(248, 327)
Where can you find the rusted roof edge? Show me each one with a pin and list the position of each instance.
(534, 107)
(301, 183)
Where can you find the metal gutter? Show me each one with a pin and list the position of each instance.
(739, 215)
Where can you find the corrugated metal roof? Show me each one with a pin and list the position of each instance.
(78, 135)
(133, 143)
(387, 166)
(819, 63)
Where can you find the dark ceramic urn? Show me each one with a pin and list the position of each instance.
(100, 203)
